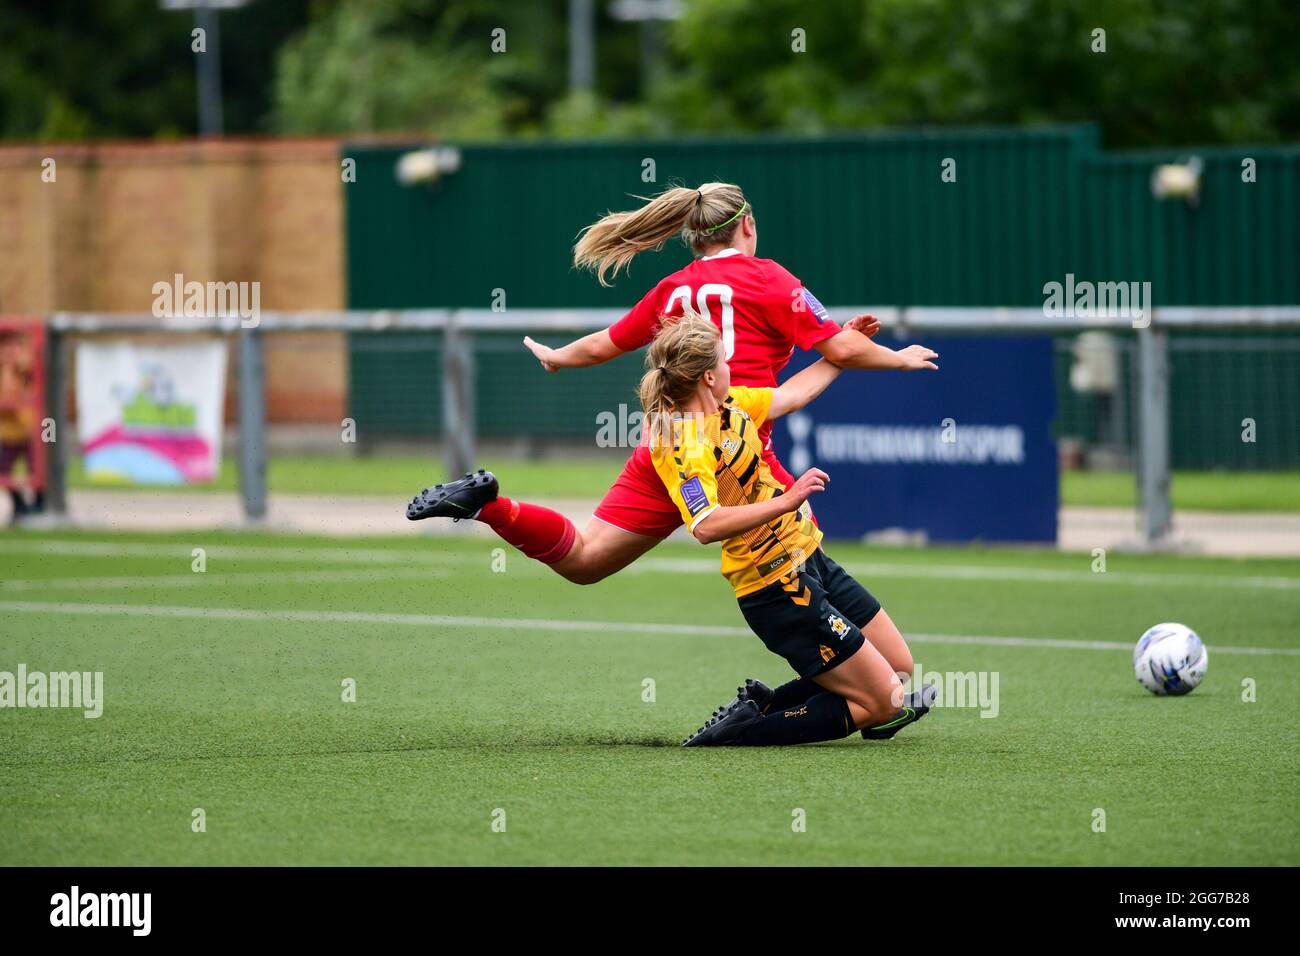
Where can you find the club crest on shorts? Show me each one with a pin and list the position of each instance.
(838, 626)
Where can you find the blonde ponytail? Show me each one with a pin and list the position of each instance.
(705, 216)
(683, 350)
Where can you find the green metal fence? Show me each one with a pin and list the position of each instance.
(1218, 384)
(395, 388)
(859, 219)
(865, 218)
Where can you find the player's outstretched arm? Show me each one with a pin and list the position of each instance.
(589, 350)
(852, 347)
(726, 522)
(802, 388)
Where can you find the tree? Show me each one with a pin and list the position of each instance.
(1173, 71)
(124, 68)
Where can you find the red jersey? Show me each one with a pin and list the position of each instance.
(762, 311)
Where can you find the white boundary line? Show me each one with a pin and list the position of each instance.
(109, 549)
(656, 565)
(996, 573)
(218, 579)
(542, 624)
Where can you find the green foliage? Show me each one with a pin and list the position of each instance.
(69, 70)
(1173, 71)
(357, 70)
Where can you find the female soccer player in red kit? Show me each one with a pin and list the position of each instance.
(763, 313)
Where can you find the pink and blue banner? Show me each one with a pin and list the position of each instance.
(151, 414)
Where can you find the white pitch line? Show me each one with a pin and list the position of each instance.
(543, 624)
(217, 579)
(358, 617)
(1138, 578)
(652, 565)
(995, 573)
(107, 549)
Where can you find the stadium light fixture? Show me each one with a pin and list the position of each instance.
(1178, 181)
(640, 10)
(207, 66)
(427, 166)
(650, 14)
(582, 44)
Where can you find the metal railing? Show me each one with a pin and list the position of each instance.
(457, 368)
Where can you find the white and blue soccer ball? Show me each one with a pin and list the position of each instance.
(1170, 660)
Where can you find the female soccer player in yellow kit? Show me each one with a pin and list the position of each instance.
(805, 607)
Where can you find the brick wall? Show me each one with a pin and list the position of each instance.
(119, 217)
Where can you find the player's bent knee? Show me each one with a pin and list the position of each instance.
(878, 702)
(578, 568)
(869, 711)
(581, 575)
(903, 665)
(887, 698)
(883, 707)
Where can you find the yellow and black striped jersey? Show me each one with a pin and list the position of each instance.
(717, 460)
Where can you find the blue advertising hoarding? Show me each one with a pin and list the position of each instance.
(962, 454)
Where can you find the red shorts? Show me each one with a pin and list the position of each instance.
(639, 503)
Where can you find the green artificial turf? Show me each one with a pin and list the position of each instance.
(1191, 490)
(533, 704)
(403, 475)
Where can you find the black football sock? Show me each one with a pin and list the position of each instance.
(795, 692)
(823, 716)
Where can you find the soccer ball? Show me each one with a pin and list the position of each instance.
(1170, 660)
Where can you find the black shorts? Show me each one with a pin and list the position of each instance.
(814, 619)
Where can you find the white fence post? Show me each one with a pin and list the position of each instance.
(1153, 476)
(458, 424)
(56, 408)
(252, 424)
